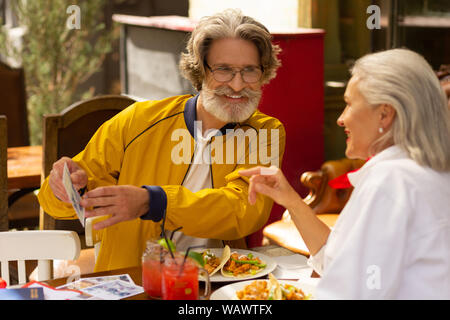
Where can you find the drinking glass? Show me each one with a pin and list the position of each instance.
(180, 279)
(152, 264)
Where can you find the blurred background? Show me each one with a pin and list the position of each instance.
(421, 25)
(121, 47)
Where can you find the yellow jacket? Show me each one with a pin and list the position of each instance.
(137, 147)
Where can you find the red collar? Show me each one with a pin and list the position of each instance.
(342, 182)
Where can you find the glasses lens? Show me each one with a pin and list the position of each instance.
(249, 75)
(252, 75)
(223, 75)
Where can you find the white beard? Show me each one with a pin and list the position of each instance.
(230, 112)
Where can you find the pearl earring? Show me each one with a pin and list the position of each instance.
(380, 130)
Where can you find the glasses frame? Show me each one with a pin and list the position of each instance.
(234, 72)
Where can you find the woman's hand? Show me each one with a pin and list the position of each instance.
(272, 183)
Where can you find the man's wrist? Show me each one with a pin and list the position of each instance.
(146, 202)
(157, 203)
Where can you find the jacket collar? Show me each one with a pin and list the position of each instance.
(190, 115)
(390, 153)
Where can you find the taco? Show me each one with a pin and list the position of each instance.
(214, 263)
(239, 265)
(275, 292)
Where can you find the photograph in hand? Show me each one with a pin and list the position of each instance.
(73, 194)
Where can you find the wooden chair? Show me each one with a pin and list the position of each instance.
(41, 245)
(67, 133)
(14, 104)
(3, 174)
(324, 200)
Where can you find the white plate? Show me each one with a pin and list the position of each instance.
(218, 277)
(229, 292)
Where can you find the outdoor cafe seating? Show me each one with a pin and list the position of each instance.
(124, 52)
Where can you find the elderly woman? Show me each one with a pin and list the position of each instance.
(392, 239)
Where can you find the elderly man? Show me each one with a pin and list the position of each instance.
(177, 159)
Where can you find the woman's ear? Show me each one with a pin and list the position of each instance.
(387, 115)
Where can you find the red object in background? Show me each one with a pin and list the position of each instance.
(296, 98)
(2, 283)
(342, 182)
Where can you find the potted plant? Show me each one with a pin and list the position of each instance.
(64, 43)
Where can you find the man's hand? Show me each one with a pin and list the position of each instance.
(121, 203)
(77, 175)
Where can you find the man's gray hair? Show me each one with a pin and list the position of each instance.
(230, 23)
(404, 79)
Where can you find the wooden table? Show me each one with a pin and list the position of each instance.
(24, 167)
(136, 272)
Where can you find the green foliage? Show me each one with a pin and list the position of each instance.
(57, 59)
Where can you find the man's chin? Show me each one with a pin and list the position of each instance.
(229, 112)
(239, 116)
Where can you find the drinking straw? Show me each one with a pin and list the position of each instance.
(173, 232)
(163, 231)
(168, 246)
(185, 256)
(163, 224)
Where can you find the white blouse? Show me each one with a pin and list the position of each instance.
(392, 239)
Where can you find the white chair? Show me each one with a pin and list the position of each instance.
(41, 245)
(85, 263)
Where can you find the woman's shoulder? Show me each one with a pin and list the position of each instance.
(406, 176)
(408, 170)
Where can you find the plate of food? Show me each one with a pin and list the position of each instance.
(226, 265)
(265, 289)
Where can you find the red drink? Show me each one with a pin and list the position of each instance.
(151, 277)
(152, 263)
(178, 285)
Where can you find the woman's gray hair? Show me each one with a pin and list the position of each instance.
(404, 79)
(230, 23)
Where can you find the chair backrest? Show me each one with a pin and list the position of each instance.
(14, 104)
(41, 245)
(67, 133)
(322, 198)
(3, 174)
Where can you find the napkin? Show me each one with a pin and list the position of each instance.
(292, 267)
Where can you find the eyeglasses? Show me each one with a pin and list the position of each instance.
(225, 74)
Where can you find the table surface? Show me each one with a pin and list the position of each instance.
(136, 272)
(24, 167)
